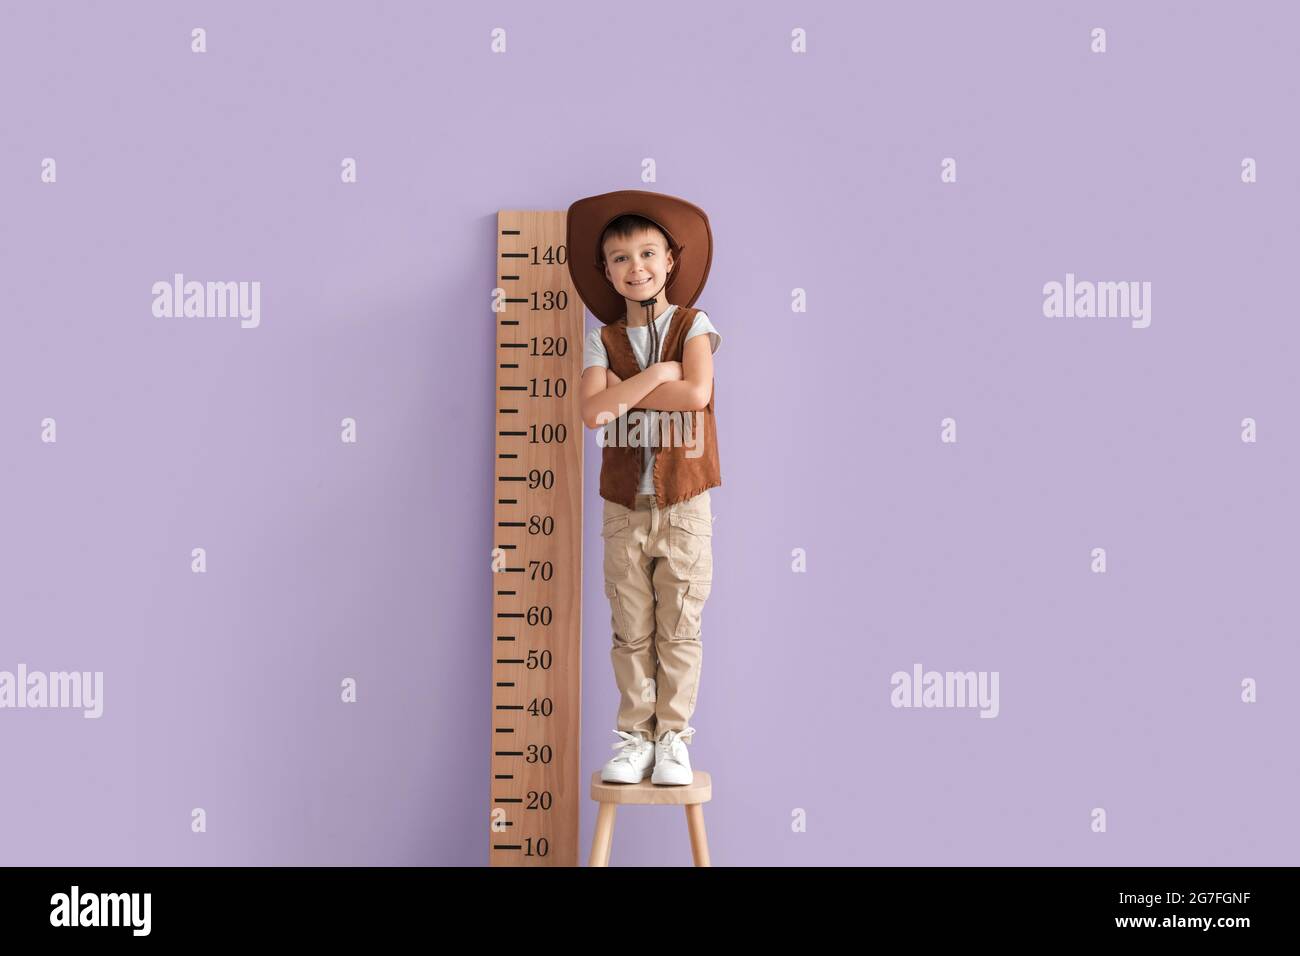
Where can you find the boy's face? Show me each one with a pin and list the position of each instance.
(638, 266)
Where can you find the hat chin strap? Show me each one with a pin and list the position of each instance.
(650, 303)
(649, 308)
(650, 321)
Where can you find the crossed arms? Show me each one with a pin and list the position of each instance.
(683, 386)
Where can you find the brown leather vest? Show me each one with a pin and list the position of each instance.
(676, 475)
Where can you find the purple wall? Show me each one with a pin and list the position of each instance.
(820, 171)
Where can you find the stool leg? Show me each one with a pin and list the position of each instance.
(699, 843)
(600, 843)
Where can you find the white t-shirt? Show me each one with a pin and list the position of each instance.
(639, 337)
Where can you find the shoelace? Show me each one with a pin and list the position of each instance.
(672, 740)
(631, 745)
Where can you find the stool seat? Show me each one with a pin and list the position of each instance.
(691, 796)
(699, 790)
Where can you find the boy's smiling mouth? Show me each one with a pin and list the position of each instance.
(642, 282)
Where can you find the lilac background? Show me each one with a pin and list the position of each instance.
(819, 172)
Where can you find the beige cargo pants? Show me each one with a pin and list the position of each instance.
(658, 574)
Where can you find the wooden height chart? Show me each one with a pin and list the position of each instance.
(537, 550)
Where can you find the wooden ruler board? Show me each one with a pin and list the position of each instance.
(537, 547)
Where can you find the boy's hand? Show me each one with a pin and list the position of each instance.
(668, 371)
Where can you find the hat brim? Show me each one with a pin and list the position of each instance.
(686, 223)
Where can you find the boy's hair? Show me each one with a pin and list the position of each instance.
(629, 225)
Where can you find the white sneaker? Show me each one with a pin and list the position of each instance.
(633, 762)
(672, 762)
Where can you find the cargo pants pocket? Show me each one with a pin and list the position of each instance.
(617, 534)
(690, 546)
(617, 618)
(690, 621)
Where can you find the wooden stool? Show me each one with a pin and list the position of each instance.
(692, 796)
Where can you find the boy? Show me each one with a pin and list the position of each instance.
(648, 381)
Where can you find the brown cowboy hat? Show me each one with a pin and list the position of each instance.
(689, 237)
